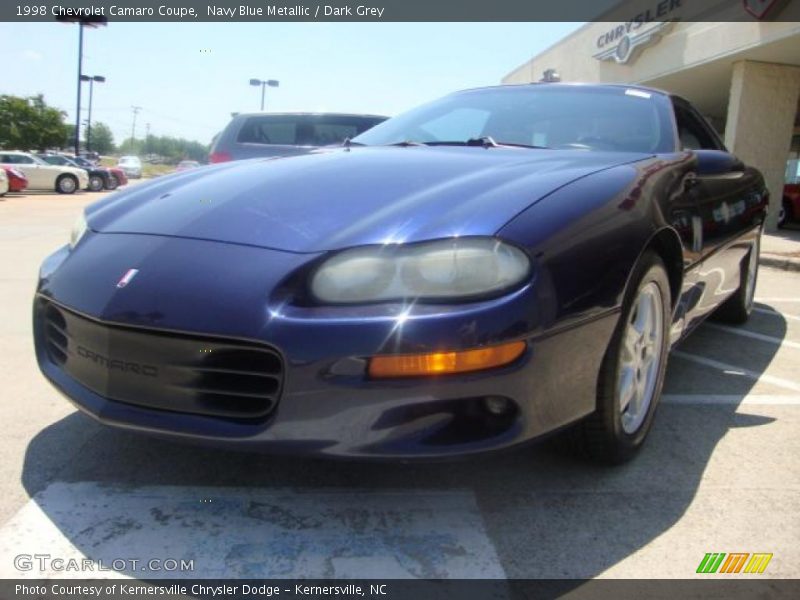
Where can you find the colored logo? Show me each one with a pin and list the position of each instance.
(624, 43)
(126, 279)
(734, 562)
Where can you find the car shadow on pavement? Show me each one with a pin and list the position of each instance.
(546, 514)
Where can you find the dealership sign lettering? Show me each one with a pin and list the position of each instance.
(623, 42)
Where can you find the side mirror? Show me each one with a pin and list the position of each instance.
(716, 162)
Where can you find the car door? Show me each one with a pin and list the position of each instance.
(50, 171)
(720, 206)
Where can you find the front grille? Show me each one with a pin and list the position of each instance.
(200, 375)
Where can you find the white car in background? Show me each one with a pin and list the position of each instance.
(131, 165)
(3, 182)
(43, 176)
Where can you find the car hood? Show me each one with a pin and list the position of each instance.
(346, 197)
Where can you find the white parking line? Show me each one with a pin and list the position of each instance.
(730, 399)
(733, 369)
(753, 335)
(252, 533)
(775, 313)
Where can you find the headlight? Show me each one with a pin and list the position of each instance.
(78, 229)
(456, 268)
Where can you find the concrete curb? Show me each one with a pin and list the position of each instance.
(779, 262)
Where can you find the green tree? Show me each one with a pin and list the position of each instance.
(69, 140)
(30, 124)
(168, 148)
(102, 139)
(131, 146)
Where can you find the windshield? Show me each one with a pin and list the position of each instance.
(559, 117)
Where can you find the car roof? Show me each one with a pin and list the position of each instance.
(308, 114)
(568, 84)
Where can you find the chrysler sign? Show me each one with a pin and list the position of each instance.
(623, 42)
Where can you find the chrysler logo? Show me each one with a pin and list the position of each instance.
(126, 279)
(621, 44)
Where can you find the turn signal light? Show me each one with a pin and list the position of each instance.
(444, 363)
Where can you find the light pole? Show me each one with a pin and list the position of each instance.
(264, 83)
(135, 110)
(91, 80)
(90, 21)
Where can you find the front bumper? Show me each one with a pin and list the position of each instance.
(131, 172)
(327, 405)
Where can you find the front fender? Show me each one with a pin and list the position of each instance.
(587, 236)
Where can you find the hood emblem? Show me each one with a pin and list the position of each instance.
(126, 279)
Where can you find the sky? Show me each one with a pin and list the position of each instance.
(189, 77)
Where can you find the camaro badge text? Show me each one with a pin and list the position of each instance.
(126, 279)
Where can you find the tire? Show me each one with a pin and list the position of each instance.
(96, 183)
(632, 373)
(66, 184)
(737, 308)
(112, 183)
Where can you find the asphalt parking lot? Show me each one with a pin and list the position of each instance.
(719, 474)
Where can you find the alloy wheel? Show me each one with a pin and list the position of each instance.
(641, 356)
(67, 185)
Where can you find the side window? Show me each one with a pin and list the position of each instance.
(692, 132)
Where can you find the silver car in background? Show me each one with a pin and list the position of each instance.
(131, 166)
(253, 135)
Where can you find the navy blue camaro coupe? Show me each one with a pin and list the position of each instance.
(497, 265)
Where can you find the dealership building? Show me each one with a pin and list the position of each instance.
(737, 61)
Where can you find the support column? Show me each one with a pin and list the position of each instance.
(762, 108)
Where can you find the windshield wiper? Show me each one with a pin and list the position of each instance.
(515, 145)
(485, 141)
(406, 143)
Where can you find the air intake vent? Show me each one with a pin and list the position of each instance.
(200, 375)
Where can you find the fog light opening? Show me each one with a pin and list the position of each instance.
(497, 405)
